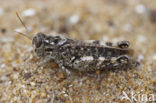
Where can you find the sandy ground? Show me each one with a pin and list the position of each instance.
(22, 81)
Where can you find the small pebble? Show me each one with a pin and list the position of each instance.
(19, 30)
(127, 27)
(66, 95)
(140, 9)
(29, 12)
(25, 91)
(142, 38)
(140, 57)
(74, 19)
(4, 78)
(10, 82)
(32, 83)
(15, 76)
(2, 66)
(154, 57)
(1, 11)
(22, 86)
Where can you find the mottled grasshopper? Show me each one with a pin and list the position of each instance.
(84, 56)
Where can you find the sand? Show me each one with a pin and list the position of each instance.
(22, 81)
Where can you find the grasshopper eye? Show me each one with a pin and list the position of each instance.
(37, 41)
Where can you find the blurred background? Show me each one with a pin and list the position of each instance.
(105, 20)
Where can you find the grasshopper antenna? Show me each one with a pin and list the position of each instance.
(21, 21)
(23, 35)
(24, 27)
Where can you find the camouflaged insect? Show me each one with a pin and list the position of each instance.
(84, 56)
